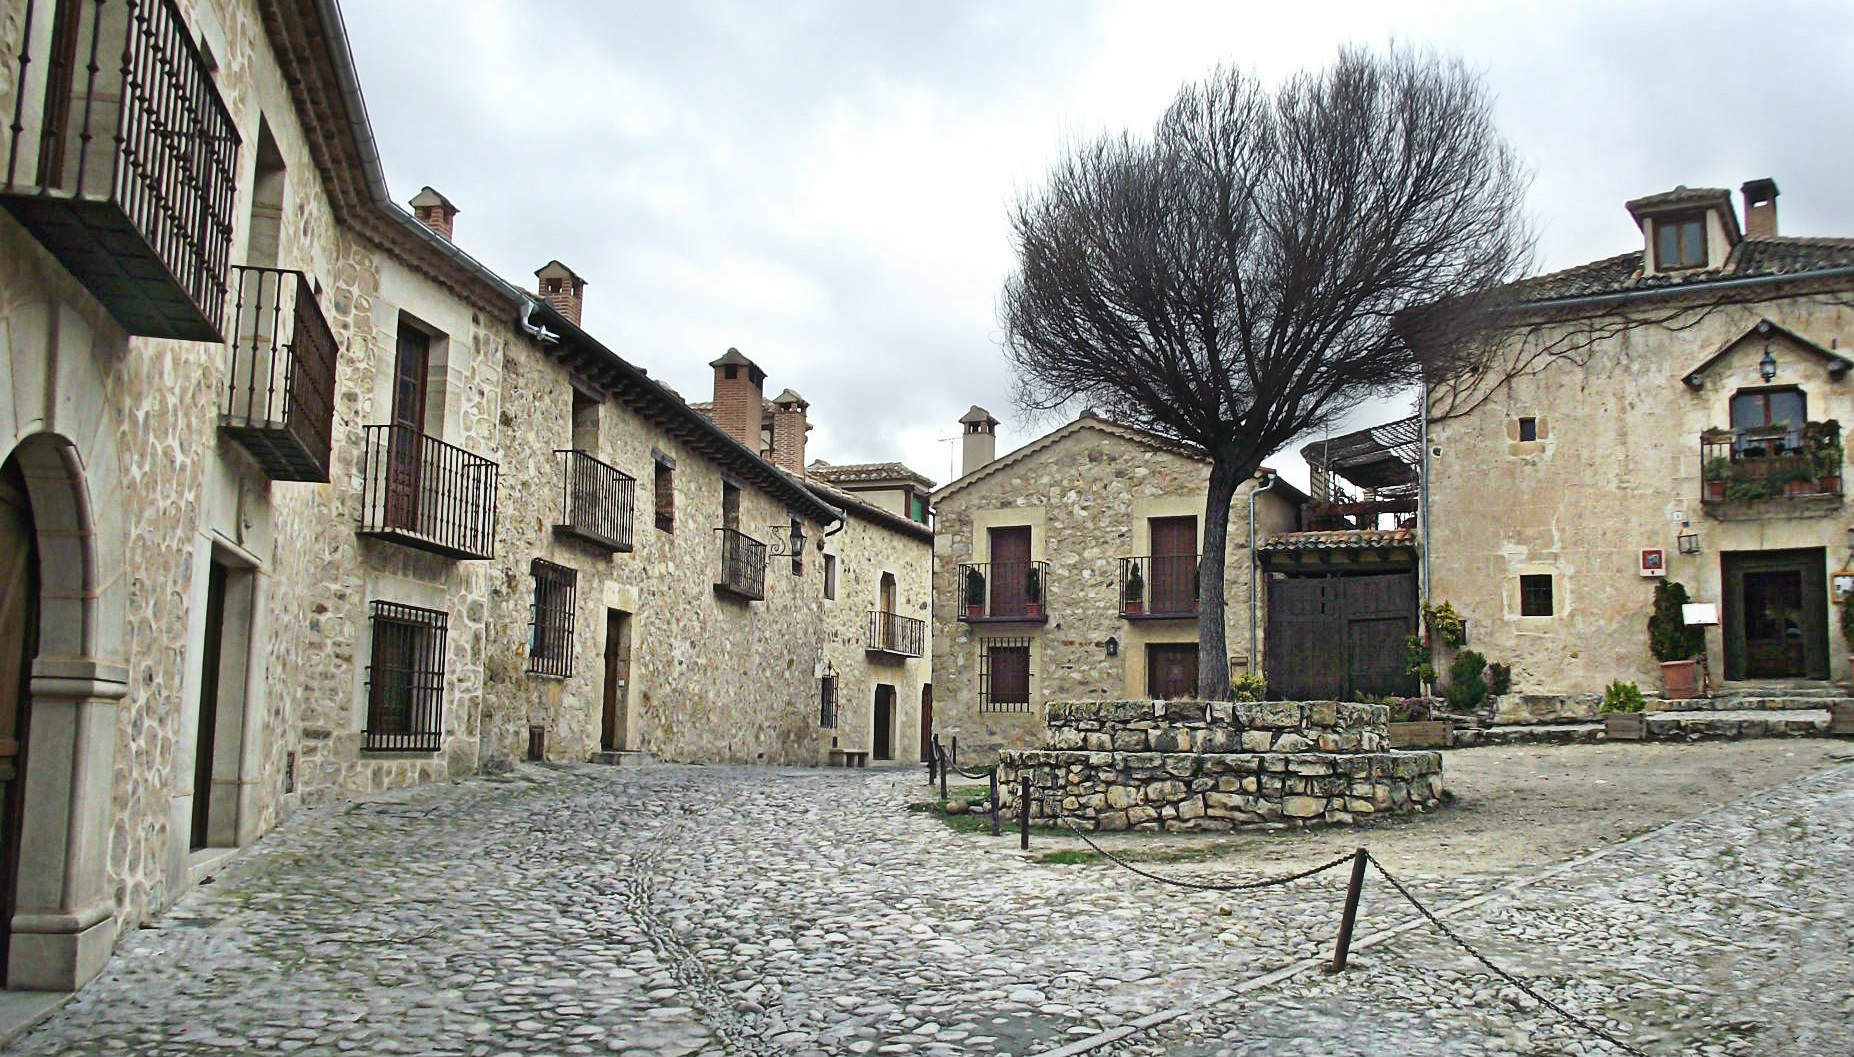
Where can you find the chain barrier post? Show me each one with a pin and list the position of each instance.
(933, 760)
(943, 769)
(954, 756)
(1023, 815)
(1346, 920)
(994, 800)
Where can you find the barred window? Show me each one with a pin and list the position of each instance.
(550, 621)
(405, 680)
(827, 702)
(1535, 595)
(1004, 675)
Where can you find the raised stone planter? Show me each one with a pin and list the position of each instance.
(1218, 766)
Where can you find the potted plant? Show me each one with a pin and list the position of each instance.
(975, 594)
(1716, 471)
(1798, 480)
(1135, 590)
(1825, 464)
(1622, 713)
(1747, 487)
(1033, 591)
(1675, 643)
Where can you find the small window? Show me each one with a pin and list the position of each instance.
(1680, 243)
(585, 423)
(1769, 407)
(1004, 675)
(1535, 595)
(1528, 429)
(666, 497)
(918, 512)
(405, 680)
(730, 506)
(830, 576)
(550, 620)
(827, 702)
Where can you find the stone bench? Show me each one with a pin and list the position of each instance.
(849, 757)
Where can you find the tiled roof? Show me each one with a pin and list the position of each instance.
(1340, 539)
(1679, 197)
(866, 471)
(707, 407)
(1751, 258)
(857, 506)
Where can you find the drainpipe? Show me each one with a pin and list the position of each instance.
(1255, 565)
(1422, 507)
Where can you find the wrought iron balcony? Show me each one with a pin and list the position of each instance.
(597, 501)
(896, 634)
(280, 399)
(121, 160)
(1004, 591)
(420, 492)
(743, 566)
(1158, 586)
(1770, 462)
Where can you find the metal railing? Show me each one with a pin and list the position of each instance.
(405, 680)
(597, 501)
(1159, 585)
(894, 633)
(1770, 461)
(280, 398)
(743, 565)
(421, 492)
(1003, 591)
(121, 158)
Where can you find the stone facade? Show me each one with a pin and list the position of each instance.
(1218, 766)
(1088, 493)
(1610, 462)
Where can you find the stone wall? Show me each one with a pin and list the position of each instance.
(1218, 766)
(866, 548)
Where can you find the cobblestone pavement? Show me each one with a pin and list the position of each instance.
(682, 910)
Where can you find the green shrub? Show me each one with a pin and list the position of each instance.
(1249, 687)
(1416, 659)
(1622, 697)
(1467, 687)
(1499, 679)
(1670, 637)
(1446, 624)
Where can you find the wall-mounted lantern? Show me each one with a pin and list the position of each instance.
(1766, 367)
(1688, 542)
(1112, 646)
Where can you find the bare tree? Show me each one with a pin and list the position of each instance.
(1243, 276)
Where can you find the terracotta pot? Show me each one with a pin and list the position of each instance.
(1715, 491)
(1679, 680)
(1798, 487)
(974, 612)
(1829, 485)
(1135, 608)
(1034, 609)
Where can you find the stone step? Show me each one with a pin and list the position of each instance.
(623, 759)
(1674, 725)
(1722, 703)
(1780, 688)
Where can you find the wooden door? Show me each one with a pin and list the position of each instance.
(1776, 614)
(1010, 571)
(885, 620)
(884, 747)
(405, 449)
(1305, 659)
(1173, 576)
(926, 722)
(1380, 613)
(204, 741)
(19, 612)
(1171, 671)
(612, 725)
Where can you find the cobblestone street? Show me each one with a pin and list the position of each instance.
(679, 910)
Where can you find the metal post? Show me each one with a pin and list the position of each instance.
(943, 774)
(933, 763)
(954, 756)
(1023, 815)
(1350, 916)
(994, 801)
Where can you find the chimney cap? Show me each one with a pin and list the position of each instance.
(731, 358)
(978, 414)
(790, 400)
(427, 198)
(556, 270)
(1762, 189)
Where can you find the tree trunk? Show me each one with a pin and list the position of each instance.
(1213, 655)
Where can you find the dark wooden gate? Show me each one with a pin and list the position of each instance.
(1339, 637)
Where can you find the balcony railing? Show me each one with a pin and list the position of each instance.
(743, 565)
(280, 399)
(121, 160)
(896, 634)
(1158, 585)
(597, 501)
(1003, 591)
(1771, 461)
(421, 492)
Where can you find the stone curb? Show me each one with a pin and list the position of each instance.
(1381, 936)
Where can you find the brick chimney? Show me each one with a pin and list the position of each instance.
(789, 429)
(562, 288)
(978, 439)
(739, 397)
(434, 211)
(1760, 208)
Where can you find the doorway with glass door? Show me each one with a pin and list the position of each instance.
(1775, 620)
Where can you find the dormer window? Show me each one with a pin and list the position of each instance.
(1680, 242)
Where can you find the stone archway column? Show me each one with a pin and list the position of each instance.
(65, 923)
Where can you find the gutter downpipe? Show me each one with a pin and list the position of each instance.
(1255, 565)
(1422, 498)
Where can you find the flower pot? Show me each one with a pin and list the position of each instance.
(1033, 609)
(1715, 491)
(1135, 608)
(1829, 485)
(1625, 726)
(1679, 680)
(1798, 487)
(1423, 734)
(974, 612)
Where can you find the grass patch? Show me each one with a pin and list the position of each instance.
(979, 822)
(1190, 853)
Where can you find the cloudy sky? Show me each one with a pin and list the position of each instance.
(824, 183)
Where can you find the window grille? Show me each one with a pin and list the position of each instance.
(405, 680)
(1004, 675)
(550, 621)
(1535, 595)
(827, 702)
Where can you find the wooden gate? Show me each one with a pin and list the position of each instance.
(1339, 637)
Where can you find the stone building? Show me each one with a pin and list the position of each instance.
(299, 500)
(1677, 416)
(1066, 571)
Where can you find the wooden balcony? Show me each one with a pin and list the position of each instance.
(280, 397)
(420, 492)
(596, 501)
(1771, 462)
(121, 159)
(743, 566)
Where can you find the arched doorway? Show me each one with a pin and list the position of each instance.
(19, 603)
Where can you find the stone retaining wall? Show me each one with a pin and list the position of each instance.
(1218, 766)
